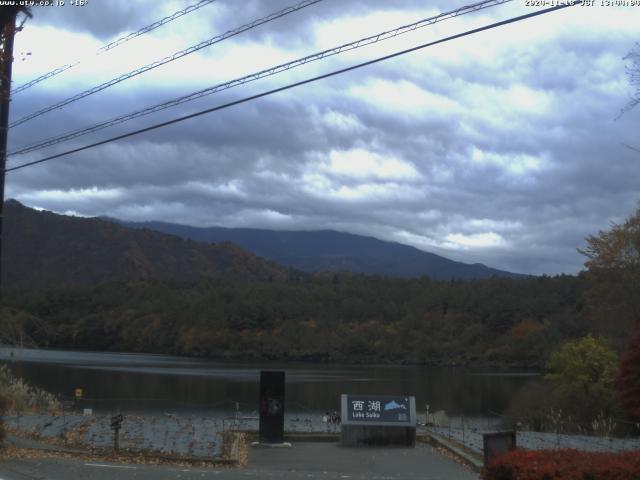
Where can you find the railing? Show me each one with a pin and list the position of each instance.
(468, 431)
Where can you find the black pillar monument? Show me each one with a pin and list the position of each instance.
(271, 407)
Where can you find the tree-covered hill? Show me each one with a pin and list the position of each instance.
(326, 250)
(336, 318)
(235, 305)
(42, 248)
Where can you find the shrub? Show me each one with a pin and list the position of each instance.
(628, 381)
(22, 397)
(563, 464)
(531, 408)
(3, 406)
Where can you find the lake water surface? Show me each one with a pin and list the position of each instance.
(137, 383)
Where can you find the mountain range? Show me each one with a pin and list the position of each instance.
(42, 248)
(327, 250)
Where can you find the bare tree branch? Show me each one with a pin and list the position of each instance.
(633, 72)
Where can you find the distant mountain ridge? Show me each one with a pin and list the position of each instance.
(41, 248)
(328, 250)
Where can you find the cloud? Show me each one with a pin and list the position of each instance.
(501, 148)
(485, 239)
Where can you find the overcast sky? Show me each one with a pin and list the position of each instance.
(502, 147)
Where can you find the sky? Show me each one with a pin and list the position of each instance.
(505, 147)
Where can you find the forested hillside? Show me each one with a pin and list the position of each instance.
(326, 250)
(337, 318)
(157, 293)
(46, 249)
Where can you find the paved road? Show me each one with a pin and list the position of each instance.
(325, 461)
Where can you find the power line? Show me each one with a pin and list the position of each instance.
(165, 60)
(631, 148)
(264, 73)
(297, 84)
(115, 43)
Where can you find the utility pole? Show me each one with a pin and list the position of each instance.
(8, 32)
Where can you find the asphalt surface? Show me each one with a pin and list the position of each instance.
(304, 460)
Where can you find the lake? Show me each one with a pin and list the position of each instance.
(137, 383)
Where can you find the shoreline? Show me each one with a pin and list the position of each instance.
(282, 363)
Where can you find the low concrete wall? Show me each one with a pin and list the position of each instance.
(376, 435)
(468, 458)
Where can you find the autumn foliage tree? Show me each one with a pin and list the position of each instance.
(614, 274)
(628, 380)
(614, 277)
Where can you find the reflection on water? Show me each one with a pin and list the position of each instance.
(161, 383)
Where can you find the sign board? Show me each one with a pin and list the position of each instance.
(116, 421)
(378, 410)
(78, 393)
(271, 407)
(497, 443)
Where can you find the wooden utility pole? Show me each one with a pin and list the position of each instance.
(6, 60)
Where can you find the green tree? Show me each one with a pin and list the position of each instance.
(583, 373)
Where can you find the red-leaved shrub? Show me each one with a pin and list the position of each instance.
(563, 464)
(628, 381)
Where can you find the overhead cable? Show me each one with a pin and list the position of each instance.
(165, 60)
(262, 74)
(114, 44)
(296, 84)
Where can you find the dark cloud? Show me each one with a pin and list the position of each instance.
(104, 20)
(493, 151)
(109, 20)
